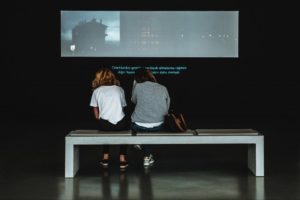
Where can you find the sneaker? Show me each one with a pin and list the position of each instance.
(138, 147)
(123, 164)
(148, 160)
(104, 163)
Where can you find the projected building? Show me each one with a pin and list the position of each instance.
(89, 37)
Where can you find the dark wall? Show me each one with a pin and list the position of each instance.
(40, 85)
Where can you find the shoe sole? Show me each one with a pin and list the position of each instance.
(151, 163)
(123, 166)
(104, 165)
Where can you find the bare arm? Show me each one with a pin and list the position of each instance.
(96, 112)
(168, 99)
(133, 96)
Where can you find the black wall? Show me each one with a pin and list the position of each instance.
(40, 85)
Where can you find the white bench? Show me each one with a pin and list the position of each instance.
(252, 138)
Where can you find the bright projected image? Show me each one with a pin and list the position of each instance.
(149, 34)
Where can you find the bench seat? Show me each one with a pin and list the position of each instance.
(250, 137)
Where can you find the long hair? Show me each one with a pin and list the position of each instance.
(104, 77)
(142, 75)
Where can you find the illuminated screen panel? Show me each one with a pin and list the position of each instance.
(149, 33)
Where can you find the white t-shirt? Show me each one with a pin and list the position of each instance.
(110, 100)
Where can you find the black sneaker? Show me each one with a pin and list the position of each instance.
(123, 165)
(104, 163)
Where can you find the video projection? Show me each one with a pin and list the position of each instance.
(149, 34)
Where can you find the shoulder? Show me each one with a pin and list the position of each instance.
(139, 85)
(97, 90)
(118, 87)
(152, 84)
(163, 89)
(161, 86)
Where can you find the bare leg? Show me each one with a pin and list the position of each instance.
(122, 158)
(105, 156)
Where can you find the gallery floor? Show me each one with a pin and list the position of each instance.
(32, 166)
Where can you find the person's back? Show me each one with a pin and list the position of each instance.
(152, 102)
(110, 100)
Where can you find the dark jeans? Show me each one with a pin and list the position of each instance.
(137, 128)
(104, 125)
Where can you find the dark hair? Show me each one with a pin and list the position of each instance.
(143, 74)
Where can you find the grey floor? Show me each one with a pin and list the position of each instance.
(32, 167)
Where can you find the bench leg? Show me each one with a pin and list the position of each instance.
(71, 160)
(256, 158)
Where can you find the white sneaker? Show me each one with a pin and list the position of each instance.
(148, 160)
(138, 147)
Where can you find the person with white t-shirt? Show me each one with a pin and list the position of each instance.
(108, 101)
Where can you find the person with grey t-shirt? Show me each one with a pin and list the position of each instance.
(152, 104)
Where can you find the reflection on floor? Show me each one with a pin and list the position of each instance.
(149, 185)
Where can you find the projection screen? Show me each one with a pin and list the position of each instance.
(149, 33)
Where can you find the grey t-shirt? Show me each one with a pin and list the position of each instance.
(152, 102)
